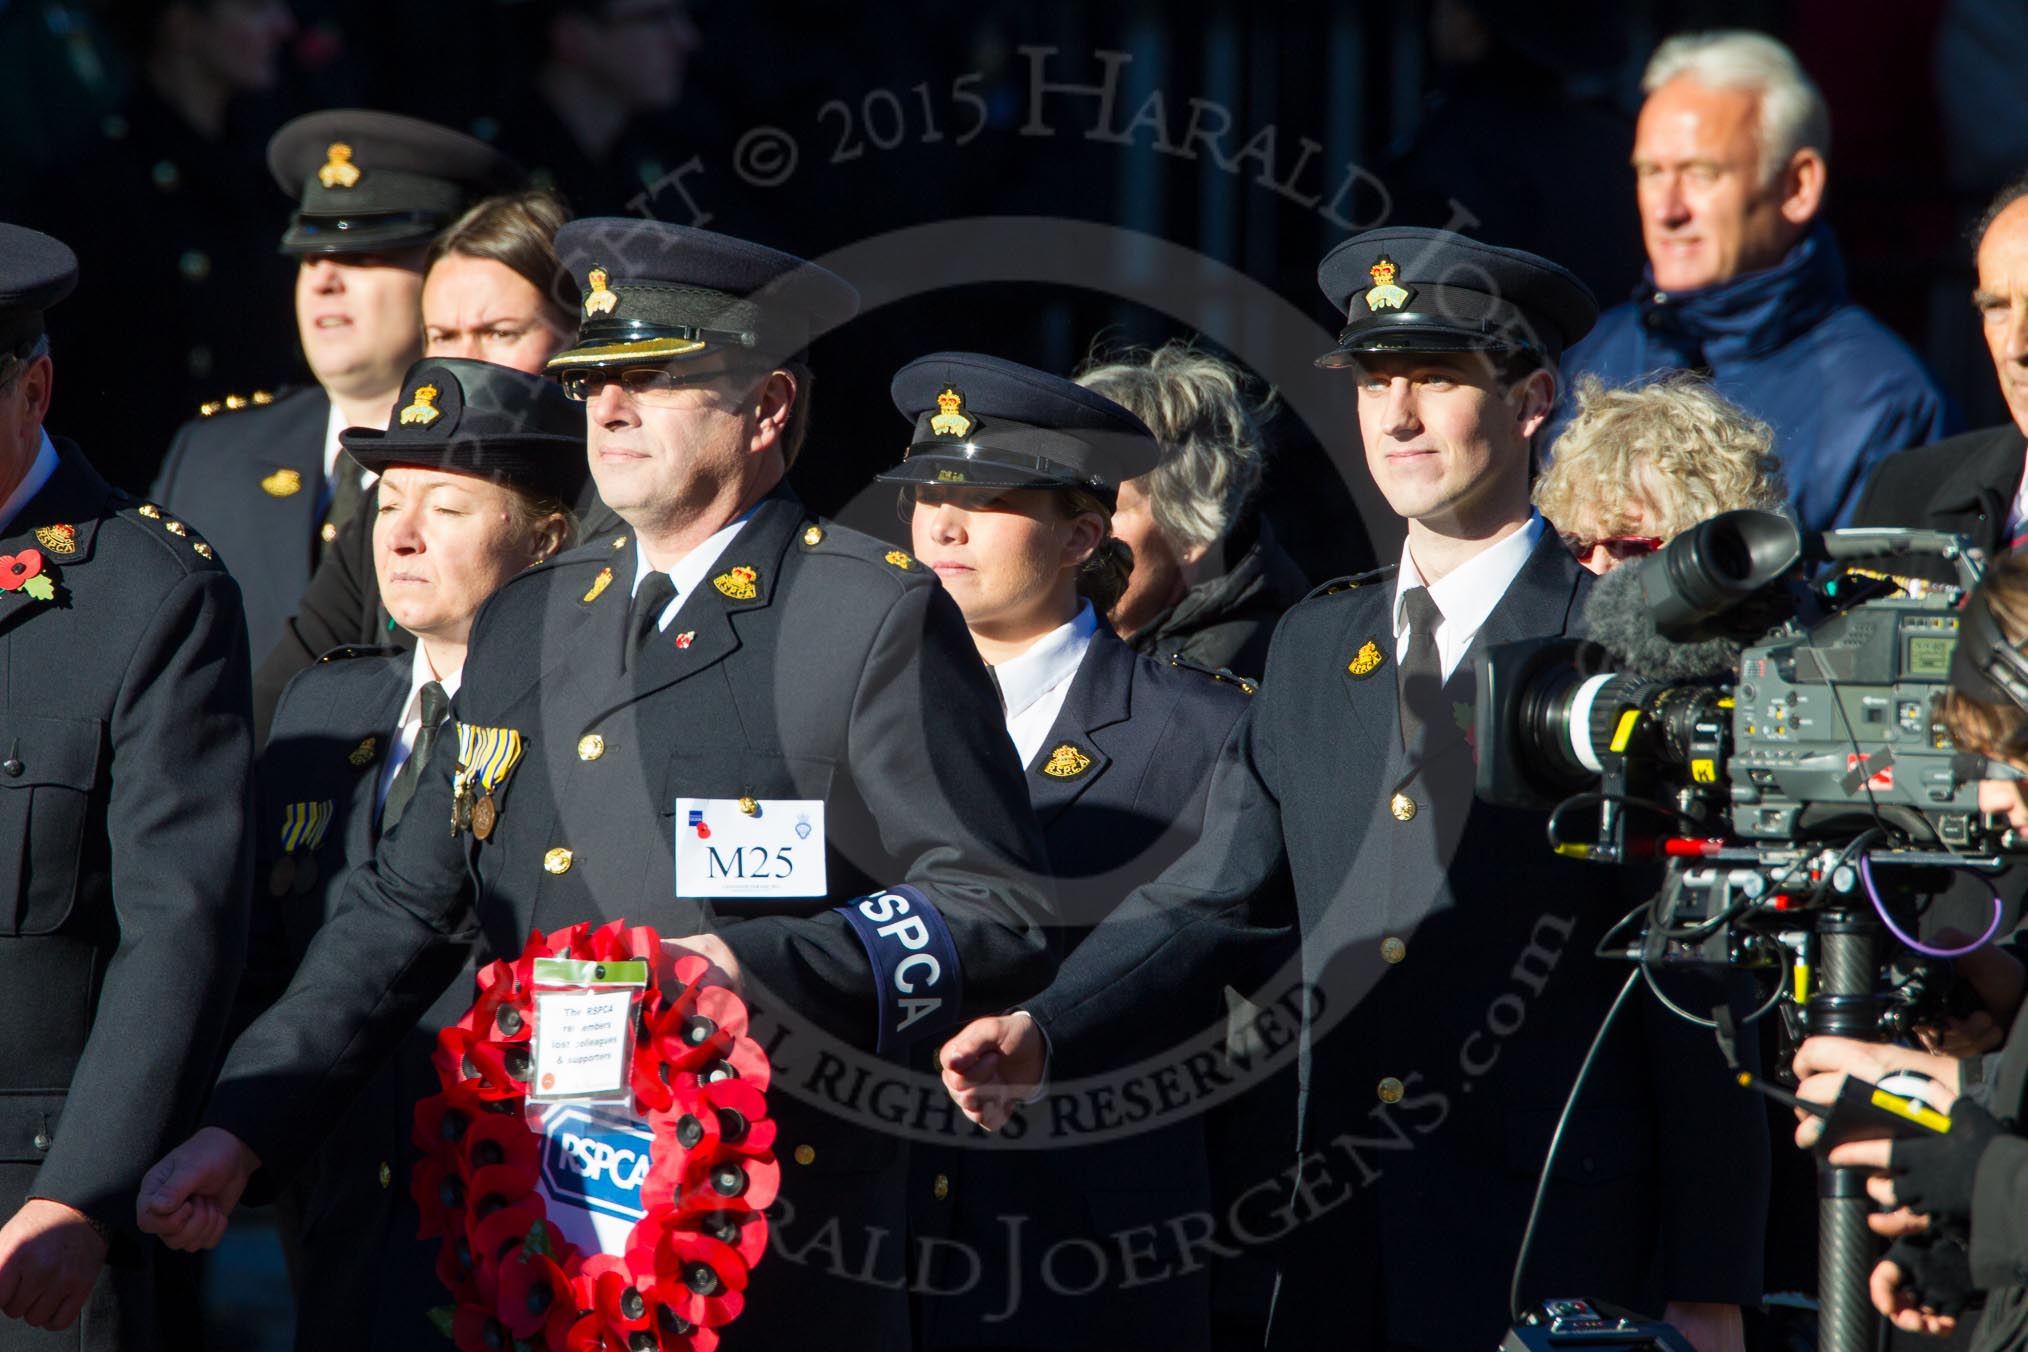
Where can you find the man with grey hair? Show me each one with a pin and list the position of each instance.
(1744, 283)
(1209, 580)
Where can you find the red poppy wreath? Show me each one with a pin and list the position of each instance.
(584, 1228)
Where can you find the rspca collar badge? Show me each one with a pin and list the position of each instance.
(599, 584)
(58, 539)
(283, 483)
(363, 753)
(1369, 660)
(950, 419)
(1384, 294)
(738, 583)
(602, 300)
(1066, 762)
(423, 411)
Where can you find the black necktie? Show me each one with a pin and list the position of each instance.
(435, 704)
(1420, 676)
(994, 677)
(656, 592)
(346, 494)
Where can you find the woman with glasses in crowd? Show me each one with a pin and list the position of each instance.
(1636, 467)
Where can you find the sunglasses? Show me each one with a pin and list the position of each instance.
(1621, 547)
(642, 382)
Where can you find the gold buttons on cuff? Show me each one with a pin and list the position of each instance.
(386, 1175)
(590, 747)
(749, 806)
(805, 1155)
(557, 860)
(1391, 1090)
(1393, 949)
(1402, 806)
(327, 532)
(941, 1187)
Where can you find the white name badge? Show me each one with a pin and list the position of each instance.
(581, 1043)
(775, 851)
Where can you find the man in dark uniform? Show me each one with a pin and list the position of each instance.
(264, 477)
(123, 798)
(1449, 950)
(727, 655)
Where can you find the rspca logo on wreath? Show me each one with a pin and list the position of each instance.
(596, 1161)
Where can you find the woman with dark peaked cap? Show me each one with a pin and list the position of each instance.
(1010, 481)
(477, 473)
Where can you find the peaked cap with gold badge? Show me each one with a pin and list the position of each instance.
(366, 181)
(988, 422)
(473, 417)
(655, 292)
(1412, 289)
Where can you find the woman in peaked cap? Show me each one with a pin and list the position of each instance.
(1009, 485)
(478, 468)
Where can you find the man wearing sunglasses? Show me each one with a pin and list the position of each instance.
(728, 667)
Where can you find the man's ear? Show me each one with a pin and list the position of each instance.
(1087, 532)
(1802, 187)
(37, 383)
(773, 402)
(1533, 396)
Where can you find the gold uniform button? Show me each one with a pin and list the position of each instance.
(386, 1175)
(1393, 949)
(328, 532)
(941, 1188)
(557, 860)
(590, 747)
(749, 806)
(814, 536)
(1402, 806)
(1391, 1090)
(805, 1155)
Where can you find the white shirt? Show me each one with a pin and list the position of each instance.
(39, 470)
(1033, 685)
(1466, 595)
(688, 572)
(333, 425)
(419, 676)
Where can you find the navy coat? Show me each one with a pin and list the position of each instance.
(1450, 996)
(1148, 733)
(252, 482)
(840, 672)
(125, 766)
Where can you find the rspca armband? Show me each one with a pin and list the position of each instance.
(915, 964)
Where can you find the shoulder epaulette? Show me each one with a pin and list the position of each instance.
(1223, 675)
(174, 527)
(1350, 582)
(352, 650)
(233, 403)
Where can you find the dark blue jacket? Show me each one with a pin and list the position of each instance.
(1789, 346)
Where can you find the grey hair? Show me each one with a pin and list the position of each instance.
(1200, 410)
(12, 364)
(1792, 112)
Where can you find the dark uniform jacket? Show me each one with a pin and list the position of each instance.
(357, 1263)
(341, 605)
(1452, 994)
(123, 795)
(1145, 734)
(252, 481)
(827, 667)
